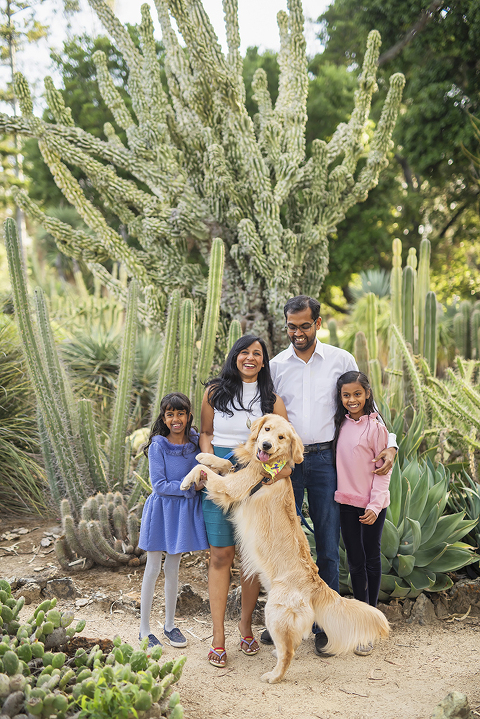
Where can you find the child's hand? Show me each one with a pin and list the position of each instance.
(202, 481)
(369, 517)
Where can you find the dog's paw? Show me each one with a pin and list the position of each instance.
(269, 677)
(192, 477)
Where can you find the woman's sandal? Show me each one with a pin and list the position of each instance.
(217, 656)
(249, 645)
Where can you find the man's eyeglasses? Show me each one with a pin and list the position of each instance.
(303, 328)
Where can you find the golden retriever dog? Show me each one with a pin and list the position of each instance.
(274, 546)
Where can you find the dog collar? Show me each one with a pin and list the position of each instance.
(274, 468)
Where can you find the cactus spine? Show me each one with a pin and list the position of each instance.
(430, 342)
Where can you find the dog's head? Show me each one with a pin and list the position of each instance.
(273, 439)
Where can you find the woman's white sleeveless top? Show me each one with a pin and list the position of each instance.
(232, 431)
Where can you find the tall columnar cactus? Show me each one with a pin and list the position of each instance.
(54, 412)
(460, 332)
(408, 305)
(361, 353)
(474, 334)
(332, 329)
(118, 429)
(375, 371)
(422, 286)
(195, 161)
(394, 359)
(187, 346)
(430, 341)
(234, 333)
(210, 322)
(100, 529)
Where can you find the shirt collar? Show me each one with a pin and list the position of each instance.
(318, 350)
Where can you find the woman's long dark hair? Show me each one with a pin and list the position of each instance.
(225, 392)
(174, 400)
(340, 410)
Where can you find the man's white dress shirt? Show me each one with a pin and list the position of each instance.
(308, 389)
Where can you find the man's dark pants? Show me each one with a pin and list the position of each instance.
(318, 476)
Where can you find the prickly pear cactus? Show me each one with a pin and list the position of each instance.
(37, 680)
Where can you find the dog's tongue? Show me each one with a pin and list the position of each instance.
(263, 456)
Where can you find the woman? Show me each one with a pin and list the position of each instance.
(241, 393)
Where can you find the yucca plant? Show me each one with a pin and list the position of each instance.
(420, 544)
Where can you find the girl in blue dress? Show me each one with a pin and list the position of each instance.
(172, 520)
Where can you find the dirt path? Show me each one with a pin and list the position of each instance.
(404, 678)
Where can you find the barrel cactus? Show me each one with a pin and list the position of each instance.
(420, 544)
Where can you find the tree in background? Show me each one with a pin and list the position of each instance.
(196, 169)
(436, 46)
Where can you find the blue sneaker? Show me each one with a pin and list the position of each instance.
(152, 641)
(175, 637)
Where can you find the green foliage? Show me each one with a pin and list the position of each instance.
(438, 181)
(193, 165)
(37, 679)
(420, 544)
(22, 479)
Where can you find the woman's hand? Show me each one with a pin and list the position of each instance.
(369, 517)
(202, 481)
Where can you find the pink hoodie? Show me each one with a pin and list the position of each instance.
(358, 443)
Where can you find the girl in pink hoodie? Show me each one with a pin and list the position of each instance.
(363, 495)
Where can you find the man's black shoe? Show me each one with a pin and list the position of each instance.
(321, 641)
(265, 637)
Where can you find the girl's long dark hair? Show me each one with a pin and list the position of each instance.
(174, 400)
(340, 410)
(225, 391)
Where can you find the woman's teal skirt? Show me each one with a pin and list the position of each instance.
(220, 531)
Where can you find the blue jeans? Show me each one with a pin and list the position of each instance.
(317, 474)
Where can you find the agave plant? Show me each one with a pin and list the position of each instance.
(464, 496)
(420, 544)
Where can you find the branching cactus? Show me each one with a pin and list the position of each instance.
(195, 163)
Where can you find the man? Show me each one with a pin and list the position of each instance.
(304, 376)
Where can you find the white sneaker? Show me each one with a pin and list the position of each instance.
(363, 650)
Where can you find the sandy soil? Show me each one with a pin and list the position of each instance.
(405, 677)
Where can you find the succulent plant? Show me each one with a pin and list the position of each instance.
(420, 544)
(103, 497)
(39, 681)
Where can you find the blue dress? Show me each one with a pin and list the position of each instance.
(172, 520)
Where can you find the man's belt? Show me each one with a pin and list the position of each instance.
(317, 447)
